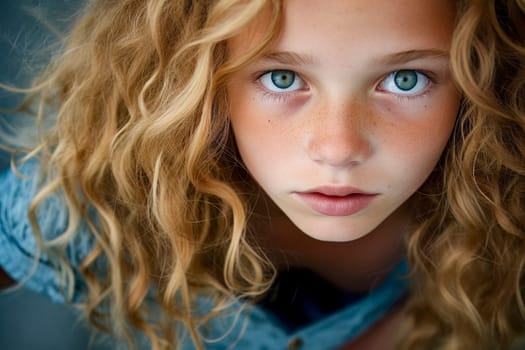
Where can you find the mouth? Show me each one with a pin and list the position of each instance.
(336, 201)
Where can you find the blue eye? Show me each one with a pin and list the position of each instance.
(281, 81)
(405, 82)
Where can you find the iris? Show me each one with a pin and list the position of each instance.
(283, 79)
(405, 79)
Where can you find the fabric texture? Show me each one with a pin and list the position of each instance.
(245, 327)
(17, 240)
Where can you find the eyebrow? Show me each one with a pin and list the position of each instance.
(292, 58)
(288, 58)
(412, 55)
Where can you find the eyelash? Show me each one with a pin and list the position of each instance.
(281, 97)
(429, 76)
(277, 97)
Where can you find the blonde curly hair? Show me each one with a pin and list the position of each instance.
(468, 251)
(142, 139)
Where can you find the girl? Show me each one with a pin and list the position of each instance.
(256, 174)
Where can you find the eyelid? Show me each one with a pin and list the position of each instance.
(299, 83)
(428, 76)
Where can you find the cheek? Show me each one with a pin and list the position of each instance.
(252, 131)
(421, 145)
(432, 125)
(260, 128)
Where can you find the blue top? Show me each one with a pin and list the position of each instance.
(246, 327)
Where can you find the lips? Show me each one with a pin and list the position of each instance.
(336, 201)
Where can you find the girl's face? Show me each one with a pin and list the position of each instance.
(348, 112)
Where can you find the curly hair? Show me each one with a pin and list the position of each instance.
(468, 251)
(142, 139)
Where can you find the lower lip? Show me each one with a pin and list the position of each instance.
(334, 205)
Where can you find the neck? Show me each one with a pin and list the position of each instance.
(356, 266)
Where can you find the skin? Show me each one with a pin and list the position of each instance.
(344, 123)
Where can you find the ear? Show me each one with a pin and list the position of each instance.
(516, 13)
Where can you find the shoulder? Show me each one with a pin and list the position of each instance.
(16, 195)
(18, 246)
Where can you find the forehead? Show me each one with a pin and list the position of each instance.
(355, 25)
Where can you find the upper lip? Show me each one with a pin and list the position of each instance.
(339, 191)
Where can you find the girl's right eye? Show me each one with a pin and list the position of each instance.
(281, 81)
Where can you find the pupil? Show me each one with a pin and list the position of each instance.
(283, 79)
(405, 79)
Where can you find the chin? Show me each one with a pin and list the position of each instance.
(338, 232)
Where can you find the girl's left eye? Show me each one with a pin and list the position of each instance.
(405, 82)
(282, 81)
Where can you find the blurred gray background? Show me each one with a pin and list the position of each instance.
(28, 320)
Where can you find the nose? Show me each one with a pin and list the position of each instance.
(339, 134)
